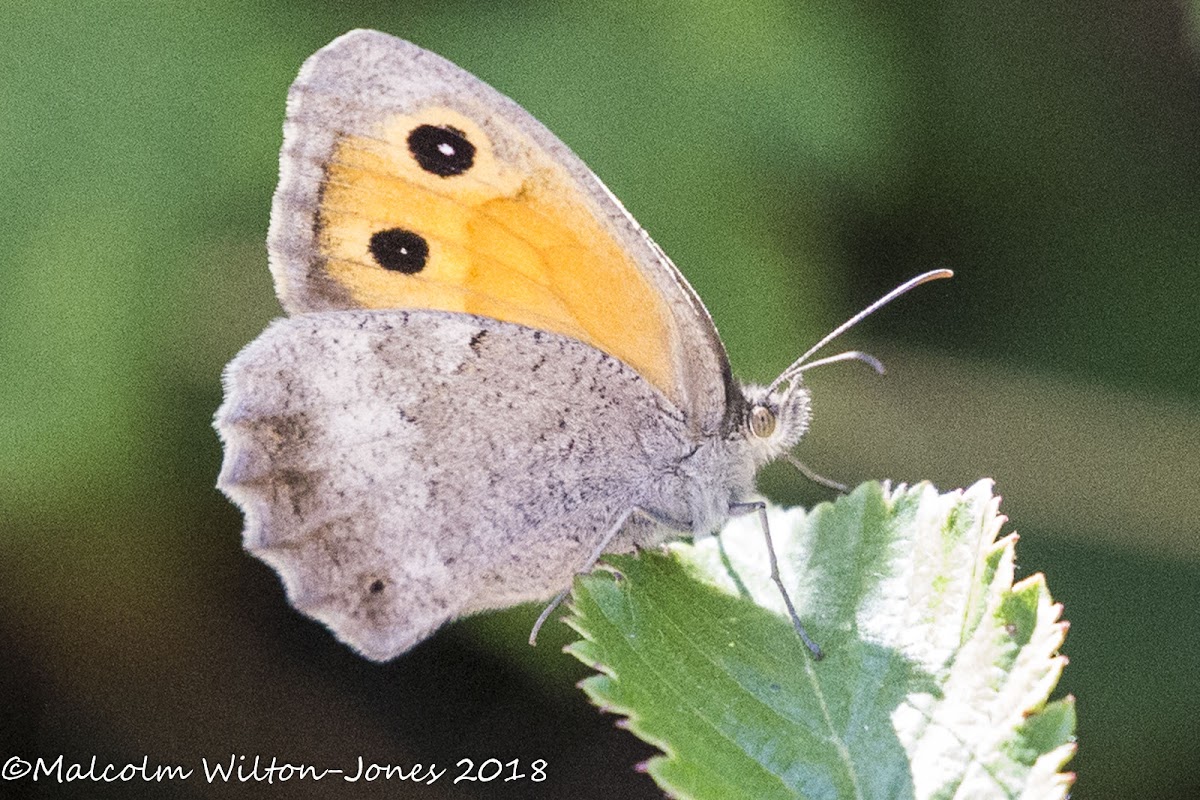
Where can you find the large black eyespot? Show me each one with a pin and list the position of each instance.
(443, 151)
(400, 250)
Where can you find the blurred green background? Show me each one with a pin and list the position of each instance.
(796, 160)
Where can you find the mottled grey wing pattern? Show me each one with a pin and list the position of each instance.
(403, 468)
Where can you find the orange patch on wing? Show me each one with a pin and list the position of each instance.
(513, 240)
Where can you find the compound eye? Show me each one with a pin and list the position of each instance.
(762, 421)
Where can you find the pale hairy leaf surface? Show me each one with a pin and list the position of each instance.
(937, 674)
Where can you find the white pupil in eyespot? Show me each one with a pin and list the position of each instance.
(446, 149)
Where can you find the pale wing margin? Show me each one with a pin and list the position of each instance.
(400, 468)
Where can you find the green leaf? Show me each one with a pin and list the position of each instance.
(937, 668)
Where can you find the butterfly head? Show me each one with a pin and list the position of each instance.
(775, 418)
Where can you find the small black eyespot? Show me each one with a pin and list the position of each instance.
(376, 586)
(400, 250)
(443, 151)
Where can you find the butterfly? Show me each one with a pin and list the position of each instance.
(489, 374)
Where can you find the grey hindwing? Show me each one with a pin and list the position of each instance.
(403, 468)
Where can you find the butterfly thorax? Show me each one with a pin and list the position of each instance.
(719, 472)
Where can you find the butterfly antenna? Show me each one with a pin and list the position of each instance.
(850, 355)
(815, 477)
(798, 365)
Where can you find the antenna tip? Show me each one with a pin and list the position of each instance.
(873, 362)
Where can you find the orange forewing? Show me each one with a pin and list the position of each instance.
(511, 238)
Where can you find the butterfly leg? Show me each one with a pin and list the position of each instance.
(587, 567)
(760, 508)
